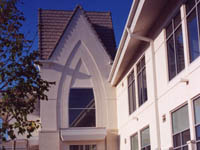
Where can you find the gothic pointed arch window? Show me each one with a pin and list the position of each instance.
(82, 108)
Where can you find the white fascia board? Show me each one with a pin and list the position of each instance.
(83, 134)
(131, 23)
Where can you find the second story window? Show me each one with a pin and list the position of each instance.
(141, 80)
(131, 93)
(82, 108)
(180, 128)
(193, 11)
(175, 51)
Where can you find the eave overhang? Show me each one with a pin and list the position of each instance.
(141, 18)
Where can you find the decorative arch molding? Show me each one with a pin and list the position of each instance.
(80, 55)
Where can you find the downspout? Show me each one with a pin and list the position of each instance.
(148, 40)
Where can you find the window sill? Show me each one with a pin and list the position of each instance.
(83, 134)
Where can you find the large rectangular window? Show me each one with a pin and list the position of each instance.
(193, 11)
(145, 139)
(134, 142)
(83, 147)
(175, 51)
(197, 121)
(141, 80)
(81, 108)
(131, 92)
(180, 128)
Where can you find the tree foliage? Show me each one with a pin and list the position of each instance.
(21, 85)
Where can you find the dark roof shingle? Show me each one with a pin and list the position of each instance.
(52, 24)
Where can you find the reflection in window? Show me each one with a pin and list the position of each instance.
(197, 120)
(131, 92)
(81, 108)
(83, 147)
(180, 126)
(145, 139)
(175, 51)
(134, 142)
(142, 83)
(193, 27)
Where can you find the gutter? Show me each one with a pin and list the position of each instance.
(124, 37)
(148, 40)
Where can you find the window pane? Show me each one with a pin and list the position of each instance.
(144, 85)
(134, 142)
(83, 147)
(80, 98)
(179, 50)
(177, 140)
(171, 58)
(193, 36)
(130, 98)
(145, 137)
(81, 108)
(140, 88)
(169, 30)
(185, 148)
(198, 146)
(82, 117)
(185, 137)
(198, 132)
(130, 78)
(197, 110)
(180, 120)
(142, 62)
(177, 20)
(189, 5)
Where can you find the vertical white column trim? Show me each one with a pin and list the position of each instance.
(191, 119)
(185, 36)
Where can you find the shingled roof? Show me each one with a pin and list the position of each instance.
(52, 24)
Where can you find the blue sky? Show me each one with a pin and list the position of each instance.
(118, 8)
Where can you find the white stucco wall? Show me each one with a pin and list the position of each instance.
(79, 61)
(169, 96)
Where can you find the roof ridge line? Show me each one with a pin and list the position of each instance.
(74, 12)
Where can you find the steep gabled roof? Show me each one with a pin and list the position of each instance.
(52, 24)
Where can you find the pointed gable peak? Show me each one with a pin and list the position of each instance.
(53, 23)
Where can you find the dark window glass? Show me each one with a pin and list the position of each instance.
(83, 147)
(177, 140)
(185, 136)
(198, 132)
(175, 52)
(171, 58)
(185, 148)
(169, 30)
(142, 85)
(177, 20)
(189, 5)
(198, 146)
(179, 50)
(81, 108)
(193, 36)
(131, 93)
